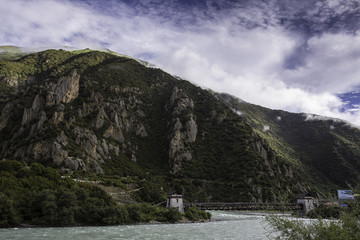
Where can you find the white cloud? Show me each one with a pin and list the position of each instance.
(332, 64)
(217, 52)
(312, 117)
(50, 23)
(237, 112)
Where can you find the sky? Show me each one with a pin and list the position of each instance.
(294, 55)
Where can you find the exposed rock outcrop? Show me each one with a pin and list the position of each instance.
(32, 113)
(65, 90)
(88, 141)
(115, 133)
(17, 82)
(180, 101)
(182, 135)
(74, 164)
(191, 130)
(265, 152)
(97, 168)
(58, 154)
(35, 120)
(100, 118)
(5, 114)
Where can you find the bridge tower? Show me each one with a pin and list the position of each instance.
(307, 202)
(175, 201)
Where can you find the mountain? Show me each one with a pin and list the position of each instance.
(97, 113)
(325, 150)
(100, 115)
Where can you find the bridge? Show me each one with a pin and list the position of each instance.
(226, 206)
(303, 205)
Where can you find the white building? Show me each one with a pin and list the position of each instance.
(175, 201)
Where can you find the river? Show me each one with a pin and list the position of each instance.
(224, 225)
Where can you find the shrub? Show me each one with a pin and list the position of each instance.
(194, 214)
(325, 212)
(173, 215)
(8, 216)
(10, 165)
(346, 228)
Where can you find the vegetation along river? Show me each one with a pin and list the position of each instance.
(225, 225)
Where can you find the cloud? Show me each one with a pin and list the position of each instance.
(238, 112)
(313, 117)
(241, 48)
(331, 65)
(266, 128)
(50, 23)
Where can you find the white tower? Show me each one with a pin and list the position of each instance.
(175, 201)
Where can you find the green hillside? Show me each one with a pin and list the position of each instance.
(327, 150)
(11, 53)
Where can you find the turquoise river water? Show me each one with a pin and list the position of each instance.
(224, 225)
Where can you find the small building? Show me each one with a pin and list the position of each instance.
(307, 202)
(175, 201)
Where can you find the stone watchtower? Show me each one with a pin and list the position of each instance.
(175, 201)
(307, 202)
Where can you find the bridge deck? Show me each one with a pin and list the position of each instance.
(246, 206)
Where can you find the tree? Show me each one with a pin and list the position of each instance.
(8, 217)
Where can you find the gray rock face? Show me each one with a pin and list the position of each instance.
(133, 158)
(263, 149)
(184, 132)
(32, 113)
(57, 117)
(95, 165)
(58, 154)
(140, 131)
(41, 121)
(115, 149)
(5, 114)
(74, 164)
(176, 145)
(191, 130)
(100, 118)
(65, 90)
(46, 150)
(90, 144)
(177, 125)
(17, 82)
(115, 133)
(180, 101)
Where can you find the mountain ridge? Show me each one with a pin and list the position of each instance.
(91, 112)
(292, 134)
(113, 111)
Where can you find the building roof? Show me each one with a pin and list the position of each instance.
(303, 195)
(175, 196)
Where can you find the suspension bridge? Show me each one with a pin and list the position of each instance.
(226, 206)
